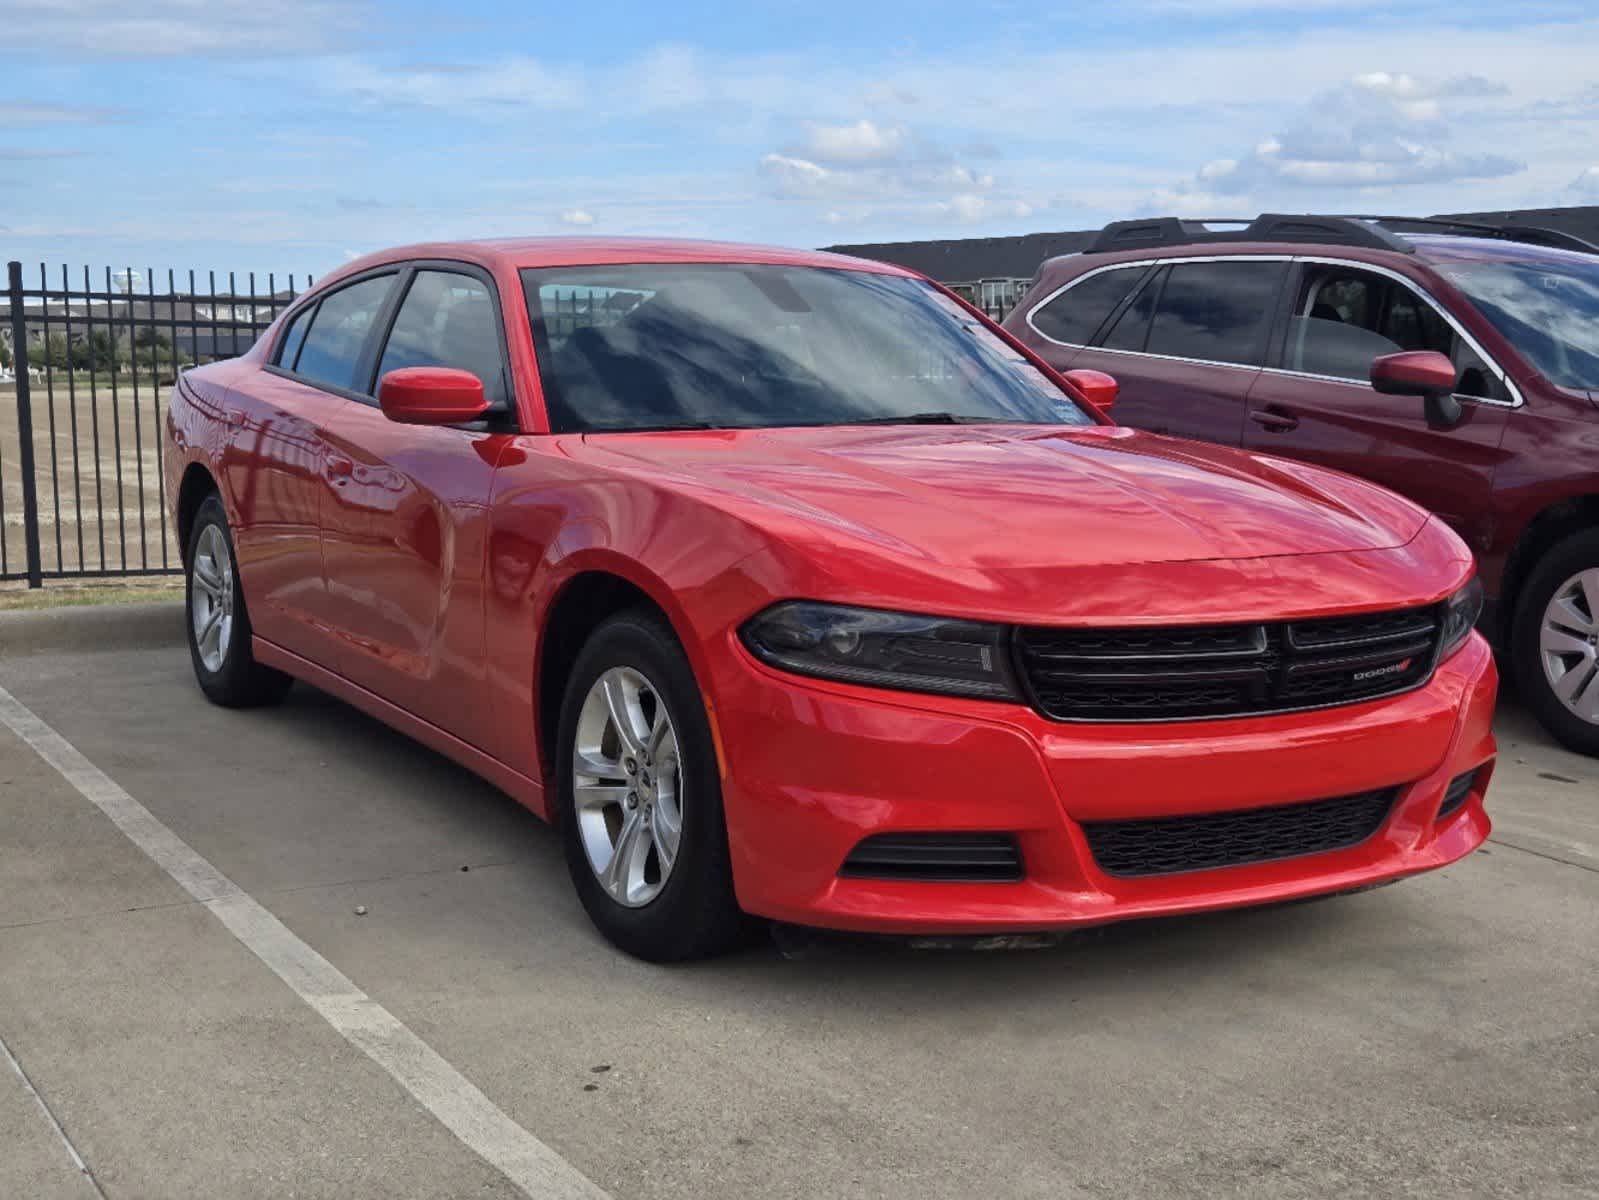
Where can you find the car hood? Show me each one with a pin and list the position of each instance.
(1007, 497)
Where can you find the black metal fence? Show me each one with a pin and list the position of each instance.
(84, 373)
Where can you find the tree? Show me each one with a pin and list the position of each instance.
(5, 355)
(57, 353)
(96, 353)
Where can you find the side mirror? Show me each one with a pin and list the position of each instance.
(431, 396)
(1097, 389)
(1424, 373)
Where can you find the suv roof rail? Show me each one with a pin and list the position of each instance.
(1268, 227)
(1534, 235)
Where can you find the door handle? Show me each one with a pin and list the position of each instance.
(1274, 420)
(235, 418)
(339, 468)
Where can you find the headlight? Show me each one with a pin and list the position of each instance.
(884, 649)
(1460, 616)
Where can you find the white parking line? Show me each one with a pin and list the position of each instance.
(453, 1099)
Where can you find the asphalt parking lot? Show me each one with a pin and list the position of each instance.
(1437, 1038)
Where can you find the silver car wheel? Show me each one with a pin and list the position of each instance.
(1569, 644)
(211, 597)
(627, 785)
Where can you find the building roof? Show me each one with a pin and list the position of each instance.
(966, 260)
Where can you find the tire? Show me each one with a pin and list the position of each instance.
(218, 622)
(1555, 636)
(658, 908)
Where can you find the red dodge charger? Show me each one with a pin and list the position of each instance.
(787, 585)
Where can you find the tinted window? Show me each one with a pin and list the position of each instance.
(1343, 319)
(448, 320)
(1131, 330)
(293, 335)
(1216, 311)
(1076, 314)
(332, 348)
(756, 346)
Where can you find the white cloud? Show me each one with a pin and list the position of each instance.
(862, 142)
(172, 28)
(1377, 130)
(577, 216)
(50, 114)
(519, 84)
(797, 176)
(1587, 183)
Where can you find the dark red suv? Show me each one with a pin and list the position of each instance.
(1455, 363)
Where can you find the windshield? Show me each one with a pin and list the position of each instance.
(1549, 312)
(754, 346)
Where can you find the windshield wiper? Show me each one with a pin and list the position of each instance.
(933, 418)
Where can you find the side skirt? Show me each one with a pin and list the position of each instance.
(527, 792)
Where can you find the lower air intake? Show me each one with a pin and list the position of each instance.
(1167, 845)
(1455, 794)
(936, 858)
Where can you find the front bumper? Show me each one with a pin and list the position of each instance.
(811, 768)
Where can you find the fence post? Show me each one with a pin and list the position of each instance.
(30, 485)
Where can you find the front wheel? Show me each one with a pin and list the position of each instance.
(1555, 642)
(640, 797)
(219, 624)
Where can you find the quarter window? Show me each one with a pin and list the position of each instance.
(1076, 314)
(289, 346)
(1131, 329)
(1216, 311)
(331, 352)
(448, 320)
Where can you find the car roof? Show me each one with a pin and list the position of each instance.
(533, 252)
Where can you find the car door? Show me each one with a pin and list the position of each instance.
(276, 463)
(1187, 344)
(405, 522)
(1316, 402)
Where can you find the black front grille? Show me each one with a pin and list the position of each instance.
(1166, 845)
(1199, 671)
(936, 858)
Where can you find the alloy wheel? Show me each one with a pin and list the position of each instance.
(1568, 642)
(627, 786)
(211, 597)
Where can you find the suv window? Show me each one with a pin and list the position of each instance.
(1216, 311)
(447, 320)
(1343, 318)
(1074, 316)
(1131, 329)
(332, 348)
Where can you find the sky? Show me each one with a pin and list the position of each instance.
(293, 135)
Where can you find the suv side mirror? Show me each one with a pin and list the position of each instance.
(431, 396)
(1424, 373)
(1096, 387)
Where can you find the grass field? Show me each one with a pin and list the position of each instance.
(97, 464)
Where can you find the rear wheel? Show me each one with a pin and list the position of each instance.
(1555, 641)
(219, 623)
(640, 797)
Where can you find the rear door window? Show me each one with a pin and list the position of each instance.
(331, 353)
(448, 320)
(1074, 316)
(1216, 311)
